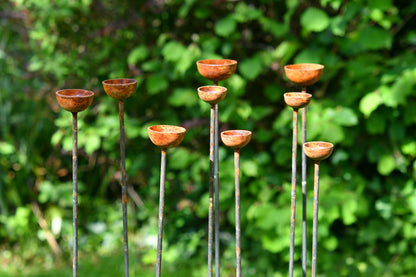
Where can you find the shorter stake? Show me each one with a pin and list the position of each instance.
(74, 101)
(163, 136)
(237, 139)
(317, 151)
(161, 207)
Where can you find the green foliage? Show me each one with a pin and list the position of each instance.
(364, 104)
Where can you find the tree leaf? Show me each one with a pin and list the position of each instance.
(225, 26)
(370, 103)
(314, 20)
(374, 38)
(137, 54)
(251, 67)
(386, 164)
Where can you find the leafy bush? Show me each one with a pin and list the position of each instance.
(363, 104)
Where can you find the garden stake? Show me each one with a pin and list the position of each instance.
(163, 136)
(74, 101)
(215, 70)
(212, 95)
(237, 139)
(317, 151)
(304, 75)
(295, 100)
(121, 89)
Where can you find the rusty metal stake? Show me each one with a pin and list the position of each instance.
(316, 150)
(293, 192)
(304, 190)
(75, 193)
(124, 188)
(237, 212)
(315, 218)
(237, 139)
(217, 196)
(161, 207)
(163, 136)
(211, 190)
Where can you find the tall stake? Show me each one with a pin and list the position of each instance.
(293, 192)
(316, 150)
(211, 190)
(74, 101)
(163, 136)
(237, 139)
(75, 194)
(124, 188)
(215, 70)
(161, 206)
(304, 187)
(217, 197)
(237, 212)
(297, 101)
(315, 218)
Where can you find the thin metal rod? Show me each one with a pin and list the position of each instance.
(161, 207)
(217, 196)
(211, 191)
(237, 212)
(75, 194)
(315, 218)
(293, 193)
(304, 186)
(124, 188)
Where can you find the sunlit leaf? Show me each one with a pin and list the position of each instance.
(314, 19)
(386, 165)
(225, 26)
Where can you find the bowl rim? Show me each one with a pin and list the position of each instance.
(320, 66)
(130, 82)
(88, 94)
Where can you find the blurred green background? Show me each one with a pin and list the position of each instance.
(364, 104)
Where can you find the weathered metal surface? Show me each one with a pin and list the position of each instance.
(211, 191)
(161, 208)
(236, 139)
(318, 150)
(237, 212)
(217, 69)
(163, 136)
(124, 189)
(166, 136)
(212, 94)
(120, 88)
(304, 192)
(293, 193)
(297, 100)
(304, 74)
(75, 194)
(74, 100)
(315, 218)
(217, 195)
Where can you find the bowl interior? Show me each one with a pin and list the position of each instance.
(298, 95)
(217, 62)
(236, 133)
(212, 89)
(167, 129)
(305, 66)
(121, 81)
(318, 145)
(76, 93)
